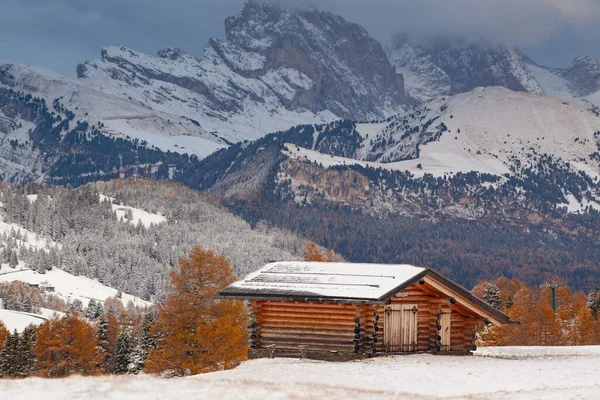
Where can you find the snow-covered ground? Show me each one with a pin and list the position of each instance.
(66, 286)
(139, 215)
(20, 320)
(493, 373)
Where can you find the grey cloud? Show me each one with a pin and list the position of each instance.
(60, 33)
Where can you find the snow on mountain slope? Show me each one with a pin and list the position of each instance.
(487, 130)
(450, 67)
(275, 69)
(16, 320)
(66, 286)
(423, 79)
(137, 215)
(579, 82)
(120, 115)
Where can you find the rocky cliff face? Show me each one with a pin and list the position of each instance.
(583, 75)
(445, 67)
(274, 69)
(455, 67)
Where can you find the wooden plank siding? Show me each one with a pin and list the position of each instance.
(463, 323)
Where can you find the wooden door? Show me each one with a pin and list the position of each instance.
(445, 318)
(400, 328)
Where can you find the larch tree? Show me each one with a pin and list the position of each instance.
(197, 332)
(66, 345)
(312, 253)
(4, 332)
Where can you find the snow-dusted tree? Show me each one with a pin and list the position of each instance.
(77, 306)
(593, 302)
(14, 260)
(16, 358)
(90, 311)
(145, 342)
(122, 353)
(493, 296)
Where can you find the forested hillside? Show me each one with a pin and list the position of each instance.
(100, 239)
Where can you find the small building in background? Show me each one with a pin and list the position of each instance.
(343, 311)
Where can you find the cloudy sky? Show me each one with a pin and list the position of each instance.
(58, 34)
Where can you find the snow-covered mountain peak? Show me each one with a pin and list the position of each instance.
(273, 70)
(448, 66)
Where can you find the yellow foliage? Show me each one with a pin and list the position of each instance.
(197, 332)
(572, 324)
(66, 345)
(312, 253)
(3, 334)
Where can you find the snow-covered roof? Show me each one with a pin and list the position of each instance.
(301, 279)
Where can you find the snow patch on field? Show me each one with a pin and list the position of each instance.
(67, 286)
(33, 240)
(528, 373)
(139, 215)
(17, 320)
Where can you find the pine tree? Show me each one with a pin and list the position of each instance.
(122, 354)
(493, 296)
(107, 332)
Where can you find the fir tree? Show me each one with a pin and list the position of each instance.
(16, 359)
(145, 343)
(122, 354)
(14, 260)
(492, 296)
(77, 306)
(593, 302)
(91, 310)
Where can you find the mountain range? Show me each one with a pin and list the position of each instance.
(302, 119)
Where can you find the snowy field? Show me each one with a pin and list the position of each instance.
(493, 373)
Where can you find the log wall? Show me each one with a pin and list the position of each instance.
(357, 328)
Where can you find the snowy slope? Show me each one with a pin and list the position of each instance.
(138, 215)
(549, 374)
(450, 67)
(497, 126)
(273, 70)
(66, 286)
(16, 320)
(121, 116)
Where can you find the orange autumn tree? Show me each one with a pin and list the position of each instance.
(572, 324)
(66, 345)
(195, 331)
(3, 334)
(312, 253)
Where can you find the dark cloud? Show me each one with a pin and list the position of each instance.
(60, 33)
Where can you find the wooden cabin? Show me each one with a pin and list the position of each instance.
(343, 311)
